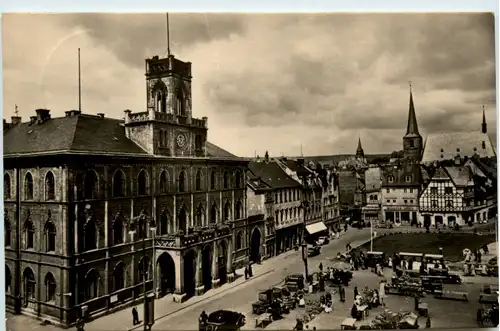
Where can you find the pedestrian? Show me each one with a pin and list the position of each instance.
(381, 293)
(321, 267)
(355, 292)
(479, 255)
(342, 293)
(135, 316)
(250, 271)
(299, 326)
(202, 321)
(345, 227)
(338, 234)
(428, 322)
(246, 272)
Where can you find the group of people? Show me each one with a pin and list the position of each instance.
(369, 298)
(248, 271)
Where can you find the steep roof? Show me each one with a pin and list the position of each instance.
(79, 133)
(446, 145)
(460, 175)
(400, 174)
(272, 174)
(412, 126)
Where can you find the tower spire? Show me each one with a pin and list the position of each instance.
(484, 127)
(359, 150)
(168, 36)
(412, 127)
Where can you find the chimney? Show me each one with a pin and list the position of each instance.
(16, 120)
(42, 115)
(101, 115)
(458, 160)
(266, 157)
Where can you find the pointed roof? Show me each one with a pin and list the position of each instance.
(412, 127)
(359, 150)
(359, 144)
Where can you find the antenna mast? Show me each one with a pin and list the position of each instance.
(79, 84)
(168, 36)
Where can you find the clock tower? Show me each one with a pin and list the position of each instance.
(168, 127)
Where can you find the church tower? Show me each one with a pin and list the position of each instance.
(412, 140)
(484, 128)
(167, 127)
(360, 154)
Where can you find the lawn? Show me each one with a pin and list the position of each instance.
(452, 243)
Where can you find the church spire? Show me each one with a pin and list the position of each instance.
(412, 127)
(484, 127)
(359, 150)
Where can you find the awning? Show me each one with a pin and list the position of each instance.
(316, 227)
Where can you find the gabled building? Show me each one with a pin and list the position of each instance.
(82, 194)
(485, 187)
(331, 203)
(372, 211)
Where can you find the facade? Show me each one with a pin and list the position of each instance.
(83, 192)
(399, 193)
(331, 205)
(372, 211)
(287, 197)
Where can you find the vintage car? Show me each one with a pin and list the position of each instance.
(295, 282)
(313, 250)
(266, 301)
(374, 258)
(225, 320)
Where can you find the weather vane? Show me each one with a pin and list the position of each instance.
(409, 83)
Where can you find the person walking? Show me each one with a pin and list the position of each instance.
(355, 292)
(246, 272)
(135, 316)
(202, 321)
(321, 267)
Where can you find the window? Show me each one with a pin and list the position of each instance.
(90, 185)
(118, 184)
(182, 219)
(28, 186)
(29, 233)
(448, 190)
(406, 201)
(411, 190)
(200, 216)
(449, 203)
(388, 190)
(92, 284)
(6, 187)
(238, 211)
(182, 182)
(434, 190)
(404, 190)
(50, 193)
(394, 201)
(227, 211)
(164, 182)
(144, 269)
(29, 284)
(390, 179)
(180, 102)
(411, 201)
(434, 203)
(119, 277)
(212, 180)
(226, 179)
(117, 227)
(7, 231)
(142, 183)
(8, 279)
(213, 213)
(237, 179)
(198, 180)
(50, 236)
(239, 241)
(164, 219)
(50, 288)
(90, 230)
(408, 179)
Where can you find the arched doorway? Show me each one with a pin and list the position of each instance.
(438, 220)
(189, 273)
(222, 263)
(167, 274)
(206, 266)
(451, 221)
(255, 245)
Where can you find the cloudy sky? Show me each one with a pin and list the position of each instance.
(266, 82)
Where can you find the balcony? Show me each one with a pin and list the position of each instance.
(193, 237)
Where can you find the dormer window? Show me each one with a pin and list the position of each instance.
(408, 179)
(483, 144)
(390, 179)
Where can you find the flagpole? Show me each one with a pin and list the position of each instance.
(79, 84)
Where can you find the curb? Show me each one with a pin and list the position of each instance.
(203, 299)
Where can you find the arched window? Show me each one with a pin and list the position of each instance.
(182, 182)
(226, 179)
(144, 269)
(50, 236)
(6, 187)
(141, 228)
(213, 213)
(237, 211)
(90, 233)
(92, 285)
(164, 219)
(239, 240)
(8, 279)
(29, 284)
(198, 144)
(118, 184)
(181, 104)
(29, 229)
(164, 182)
(28, 186)
(183, 219)
(90, 185)
(50, 288)
(212, 180)
(237, 179)
(117, 226)
(200, 216)
(142, 183)
(198, 180)
(119, 277)
(50, 191)
(227, 211)
(7, 231)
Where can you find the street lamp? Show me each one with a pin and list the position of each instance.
(142, 221)
(304, 206)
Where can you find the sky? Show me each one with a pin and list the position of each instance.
(272, 82)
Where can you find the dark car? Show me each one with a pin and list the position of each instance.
(225, 320)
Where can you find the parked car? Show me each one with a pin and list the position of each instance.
(322, 241)
(358, 224)
(225, 320)
(313, 250)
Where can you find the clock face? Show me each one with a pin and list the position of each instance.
(181, 140)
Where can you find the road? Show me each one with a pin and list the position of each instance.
(240, 298)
